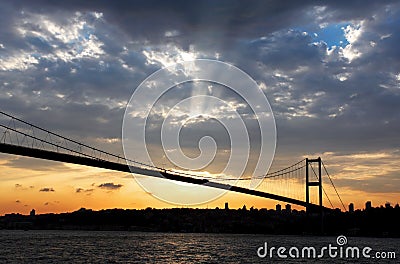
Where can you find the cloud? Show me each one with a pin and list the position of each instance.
(17, 201)
(389, 183)
(51, 203)
(110, 186)
(22, 188)
(46, 189)
(81, 190)
(35, 164)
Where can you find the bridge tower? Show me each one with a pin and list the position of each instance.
(310, 183)
(318, 184)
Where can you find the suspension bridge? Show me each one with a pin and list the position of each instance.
(286, 185)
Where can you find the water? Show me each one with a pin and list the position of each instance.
(37, 246)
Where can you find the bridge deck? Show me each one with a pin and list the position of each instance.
(99, 163)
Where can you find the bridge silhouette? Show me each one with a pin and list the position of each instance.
(23, 138)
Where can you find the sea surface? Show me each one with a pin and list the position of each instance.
(36, 246)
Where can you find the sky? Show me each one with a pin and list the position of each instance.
(330, 71)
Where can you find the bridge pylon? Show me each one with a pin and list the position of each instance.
(318, 183)
(312, 183)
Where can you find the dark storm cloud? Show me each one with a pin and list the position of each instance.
(110, 186)
(151, 19)
(297, 48)
(283, 50)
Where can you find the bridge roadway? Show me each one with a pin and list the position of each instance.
(99, 163)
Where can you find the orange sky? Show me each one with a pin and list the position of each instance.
(50, 186)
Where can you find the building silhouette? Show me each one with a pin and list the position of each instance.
(380, 221)
(351, 208)
(368, 205)
(226, 206)
(278, 208)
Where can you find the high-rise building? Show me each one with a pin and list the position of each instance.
(368, 205)
(32, 213)
(226, 206)
(351, 207)
(288, 208)
(278, 208)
